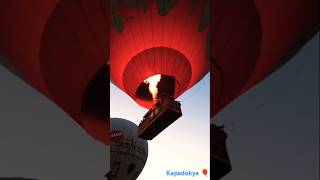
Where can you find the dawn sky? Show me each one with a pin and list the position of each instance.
(184, 145)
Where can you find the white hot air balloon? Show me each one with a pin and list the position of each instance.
(128, 152)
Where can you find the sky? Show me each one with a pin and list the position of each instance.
(273, 130)
(185, 144)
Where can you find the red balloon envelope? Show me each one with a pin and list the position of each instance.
(251, 39)
(60, 48)
(154, 41)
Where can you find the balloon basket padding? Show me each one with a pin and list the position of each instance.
(159, 117)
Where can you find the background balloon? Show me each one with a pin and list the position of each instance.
(60, 48)
(128, 152)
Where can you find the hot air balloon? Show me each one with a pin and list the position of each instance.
(60, 47)
(128, 152)
(157, 51)
(250, 40)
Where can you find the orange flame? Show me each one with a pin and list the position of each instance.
(153, 82)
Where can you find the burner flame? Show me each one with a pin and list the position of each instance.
(153, 82)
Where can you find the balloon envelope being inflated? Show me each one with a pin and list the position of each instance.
(128, 152)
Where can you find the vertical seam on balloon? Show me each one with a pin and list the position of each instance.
(113, 51)
(104, 14)
(247, 32)
(218, 18)
(76, 38)
(190, 38)
(230, 33)
(136, 49)
(198, 49)
(90, 28)
(161, 40)
(178, 48)
(172, 33)
(152, 31)
(106, 20)
(121, 36)
(143, 35)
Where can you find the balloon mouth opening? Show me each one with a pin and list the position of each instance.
(95, 99)
(155, 87)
